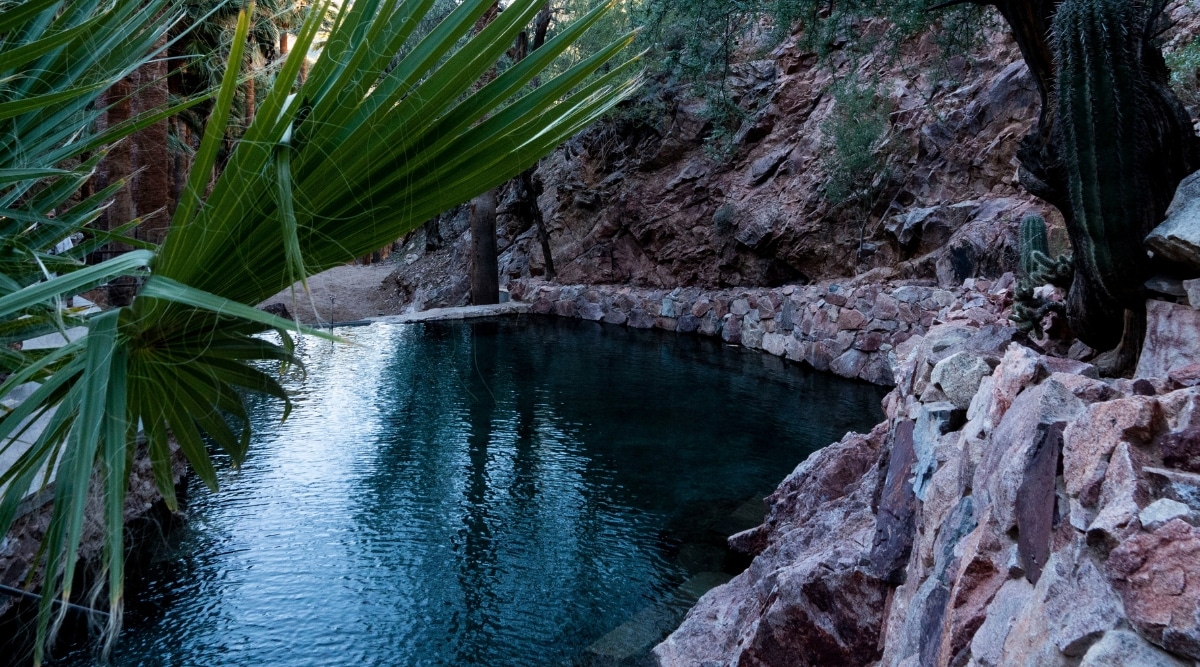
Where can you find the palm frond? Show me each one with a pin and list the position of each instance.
(334, 165)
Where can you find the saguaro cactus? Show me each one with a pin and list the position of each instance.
(1111, 145)
(1102, 130)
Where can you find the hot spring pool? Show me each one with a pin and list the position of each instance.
(520, 492)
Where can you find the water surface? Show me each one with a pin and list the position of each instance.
(491, 493)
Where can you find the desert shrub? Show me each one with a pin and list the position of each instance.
(855, 137)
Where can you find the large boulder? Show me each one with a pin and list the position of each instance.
(806, 600)
(1172, 339)
(1178, 237)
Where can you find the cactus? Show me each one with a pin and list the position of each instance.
(1100, 87)
(1033, 240)
(1037, 268)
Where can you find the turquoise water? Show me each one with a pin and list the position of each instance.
(490, 493)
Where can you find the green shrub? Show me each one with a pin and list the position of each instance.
(1184, 63)
(855, 138)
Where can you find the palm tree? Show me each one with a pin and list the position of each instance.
(333, 166)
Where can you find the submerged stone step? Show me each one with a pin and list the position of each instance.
(693, 589)
(648, 626)
(748, 515)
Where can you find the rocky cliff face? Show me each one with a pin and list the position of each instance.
(637, 200)
(1026, 514)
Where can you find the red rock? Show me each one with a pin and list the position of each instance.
(1158, 578)
(850, 319)
(1090, 440)
(1186, 376)
(804, 602)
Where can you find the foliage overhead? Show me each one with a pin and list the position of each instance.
(362, 150)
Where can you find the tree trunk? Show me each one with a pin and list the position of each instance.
(251, 102)
(485, 265)
(541, 25)
(529, 194)
(118, 165)
(152, 188)
(529, 205)
(485, 270)
(1171, 152)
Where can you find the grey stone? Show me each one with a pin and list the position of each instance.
(616, 317)
(1172, 339)
(756, 231)
(1036, 499)
(1166, 285)
(591, 311)
(1176, 485)
(731, 329)
(1004, 463)
(906, 226)
(1122, 648)
(775, 344)
(1119, 506)
(764, 167)
(739, 307)
(895, 523)
(959, 376)
(1163, 511)
(987, 645)
(640, 319)
(752, 332)
(1178, 237)
(850, 364)
(907, 294)
(688, 323)
(932, 421)
(1192, 287)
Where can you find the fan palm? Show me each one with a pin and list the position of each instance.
(335, 165)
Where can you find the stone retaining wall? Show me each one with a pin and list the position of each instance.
(848, 329)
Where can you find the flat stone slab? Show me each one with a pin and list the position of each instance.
(650, 625)
(463, 313)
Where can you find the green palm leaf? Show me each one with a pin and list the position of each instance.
(333, 166)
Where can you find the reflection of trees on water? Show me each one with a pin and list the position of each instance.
(510, 448)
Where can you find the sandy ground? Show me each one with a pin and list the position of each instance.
(342, 294)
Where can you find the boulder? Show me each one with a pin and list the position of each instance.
(1157, 575)
(1172, 339)
(1163, 511)
(805, 600)
(959, 376)
(1069, 610)
(1090, 440)
(895, 522)
(1178, 237)
(1192, 287)
(1122, 648)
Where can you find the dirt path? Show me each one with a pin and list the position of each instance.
(342, 294)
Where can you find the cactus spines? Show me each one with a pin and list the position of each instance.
(1033, 239)
(1100, 85)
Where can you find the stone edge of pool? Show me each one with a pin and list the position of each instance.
(854, 329)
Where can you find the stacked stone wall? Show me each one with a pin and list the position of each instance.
(850, 330)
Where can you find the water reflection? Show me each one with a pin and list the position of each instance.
(492, 493)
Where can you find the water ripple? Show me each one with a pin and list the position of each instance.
(476, 494)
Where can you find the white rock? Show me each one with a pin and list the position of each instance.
(1163, 511)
